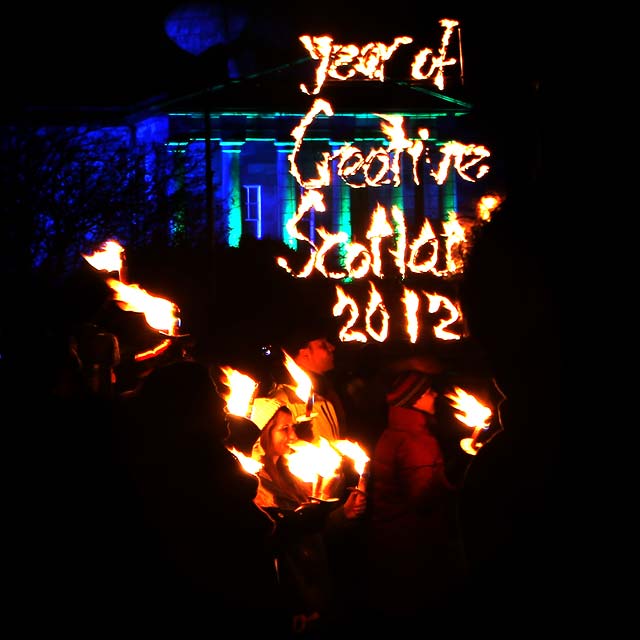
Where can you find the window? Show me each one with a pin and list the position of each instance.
(253, 210)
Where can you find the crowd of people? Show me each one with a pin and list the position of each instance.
(134, 507)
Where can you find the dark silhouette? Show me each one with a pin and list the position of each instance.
(514, 538)
(208, 545)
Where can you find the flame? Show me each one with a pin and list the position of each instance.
(343, 61)
(486, 206)
(376, 305)
(353, 450)
(152, 353)
(473, 414)
(380, 228)
(456, 236)
(471, 411)
(250, 465)
(347, 334)
(314, 463)
(161, 314)
(241, 391)
(411, 304)
(303, 381)
(108, 258)
(435, 302)
(438, 62)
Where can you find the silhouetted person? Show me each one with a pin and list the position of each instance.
(516, 545)
(208, 543)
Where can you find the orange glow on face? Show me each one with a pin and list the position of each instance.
(241, 389)
(108, 258)
(161, 314)
(472, 413)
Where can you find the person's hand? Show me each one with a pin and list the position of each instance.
(301, 621)
(355, 504)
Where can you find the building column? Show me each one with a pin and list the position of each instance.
(230, 190)
(286, 186)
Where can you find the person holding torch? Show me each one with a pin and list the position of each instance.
(302, 524)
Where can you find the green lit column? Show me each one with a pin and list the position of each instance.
(449, 201)
(286, 191)
(341, 202)
(397, 195)
(231, 190)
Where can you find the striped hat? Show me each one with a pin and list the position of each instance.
(407, 387)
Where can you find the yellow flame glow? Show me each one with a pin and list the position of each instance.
(302, 380)
(108, 258)
(241, 391)
(161, 314)
(471, 411)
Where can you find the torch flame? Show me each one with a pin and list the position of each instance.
(161, 314)
(354, 451)
(108, 258)
(250, 465)
(241, 391)
(314, 463)
(303, 381)
(471, 413)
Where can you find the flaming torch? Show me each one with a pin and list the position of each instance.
(360, 459)
(243, 433)
(471, 413)
(109, 258)
(316, 465)
(242, 390)
(161, 314)
(304, 388)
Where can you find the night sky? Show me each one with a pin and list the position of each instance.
(109, 54)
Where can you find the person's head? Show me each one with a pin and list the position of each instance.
(277, 426)
(311, 346)
(182, 394)
(413, 390)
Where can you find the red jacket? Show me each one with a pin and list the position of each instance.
(413, 536)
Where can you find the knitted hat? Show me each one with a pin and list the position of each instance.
(407, 387)
(263, 410)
